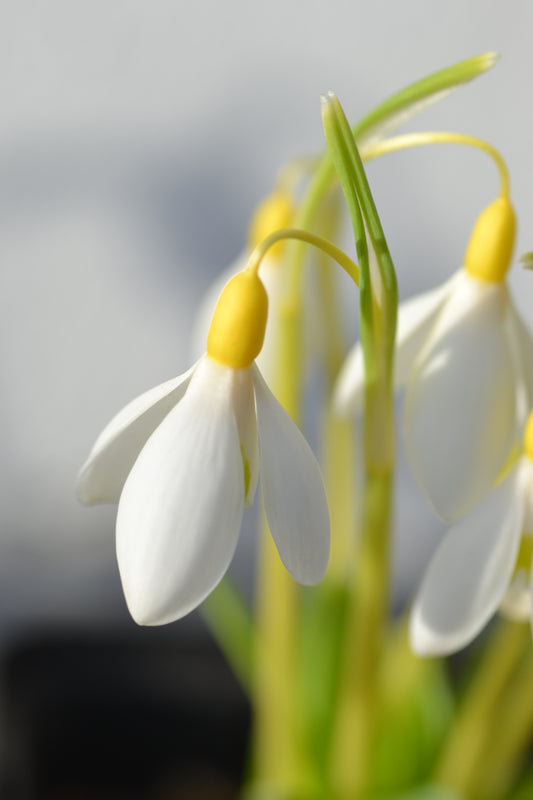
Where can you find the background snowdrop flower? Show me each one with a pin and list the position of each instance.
(183, 460)
(466, 360)
(484, 562)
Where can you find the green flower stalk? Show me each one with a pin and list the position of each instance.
(357, 706)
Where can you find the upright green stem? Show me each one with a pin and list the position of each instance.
(277, 749)
(510, 738)
(474, 725)
(364, 637)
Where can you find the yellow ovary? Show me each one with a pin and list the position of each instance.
(490, 248)
(237, 329)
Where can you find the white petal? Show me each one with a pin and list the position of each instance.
(416, 317)
(115, 451)
(470, 572)
(293, 492)
(181, 508)
(460, 401)
(245, 415)
(524, 340)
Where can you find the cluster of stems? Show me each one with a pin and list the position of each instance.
(332, 682)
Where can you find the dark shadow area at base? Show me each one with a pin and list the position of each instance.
(146, 717)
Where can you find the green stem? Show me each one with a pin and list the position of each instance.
(511, 737)
(357, 708)
(278, 767)
(475, 721)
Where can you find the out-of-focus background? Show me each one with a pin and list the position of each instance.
(135, 139)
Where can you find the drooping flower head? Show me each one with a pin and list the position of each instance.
(465, 358)
(184, 459)
(482, 564)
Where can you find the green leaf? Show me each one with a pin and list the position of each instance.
(413, 99)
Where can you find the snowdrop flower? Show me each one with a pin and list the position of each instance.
(483, 563)
(183, 460)
(465, 358)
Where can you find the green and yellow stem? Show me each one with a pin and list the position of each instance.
(409, 140)
(510, 736)
(477, 719)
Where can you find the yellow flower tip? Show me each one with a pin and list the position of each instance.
(490, 248)
(274, 213)
(528, 437)
(237, 329)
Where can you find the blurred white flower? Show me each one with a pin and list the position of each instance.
(482, 564)
(183, 461)
(465, 358)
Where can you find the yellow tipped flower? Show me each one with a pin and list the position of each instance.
(465, 358)
(183, 460)
(482, 564)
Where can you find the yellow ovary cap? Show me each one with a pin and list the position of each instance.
(274, 213)
(237, 329)
(490, 248)
(528, 437)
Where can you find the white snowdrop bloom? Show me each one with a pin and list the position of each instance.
(482, 564)
(465, 358)
(183, 461)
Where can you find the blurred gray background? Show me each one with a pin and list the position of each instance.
(135, 139)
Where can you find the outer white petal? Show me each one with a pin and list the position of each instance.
(460, 400)
(181, 508)
(470, 572)
(524, 340)
(293, 492)
(415, 320)
(115, 451)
